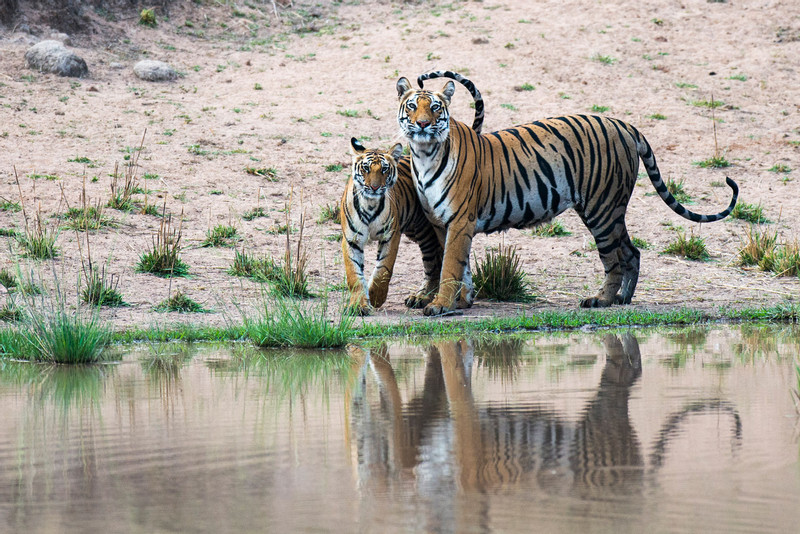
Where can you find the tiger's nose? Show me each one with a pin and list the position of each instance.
(375, 187)
(423, 124)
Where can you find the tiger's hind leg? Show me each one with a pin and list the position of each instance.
(630, 261)
(432, 264)
(612, 245)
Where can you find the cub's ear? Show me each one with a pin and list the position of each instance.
(397, 151)
(403, 86)
(356, 147)
(448, 91)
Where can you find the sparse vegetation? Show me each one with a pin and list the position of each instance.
(499, 276)
(50, 331)
(710, 104)
(180, 303)
(607, 60)
(551, 229)
(693, 248)
(329, 213)
(677, 191)
(657, 116)
(780, 167)
(714, 162)
(259, 269)
(783, 260)
(749, 212)
(271, 174)
(289, 323)
(222, 235)
(254, 213)
(163, 259)
(599, 109)
(101, 291)
(147, 17)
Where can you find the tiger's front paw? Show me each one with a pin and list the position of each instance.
(358, 311)
(436, 308)
(595, 302)
(417, 300)
(358, 307)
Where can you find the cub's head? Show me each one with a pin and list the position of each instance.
(424, 116)
(374, 171)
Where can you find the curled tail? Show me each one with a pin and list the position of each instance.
(477, 124)
(646, 153)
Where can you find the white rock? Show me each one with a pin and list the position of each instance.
(51, 56)
(154, 71)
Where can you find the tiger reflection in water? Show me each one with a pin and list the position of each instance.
(496, 446)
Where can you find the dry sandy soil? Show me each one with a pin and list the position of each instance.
(287, 92)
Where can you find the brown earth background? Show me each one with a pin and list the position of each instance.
(284, 86)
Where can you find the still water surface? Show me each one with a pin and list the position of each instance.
(643, 431)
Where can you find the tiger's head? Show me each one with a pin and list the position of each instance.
(374, 171)
(424, 116)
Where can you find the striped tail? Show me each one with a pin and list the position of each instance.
(646, 153)
(477, 124)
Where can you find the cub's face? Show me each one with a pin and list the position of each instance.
(374, 171)
(424, 116)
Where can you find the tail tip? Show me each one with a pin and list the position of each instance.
(732, 185)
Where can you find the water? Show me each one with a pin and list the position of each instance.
(659, 431)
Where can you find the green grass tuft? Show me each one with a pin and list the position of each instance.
(102, 291)
(780, 167)
(551, 229)
(677, 191)
(254, 214)
(50, 331)
(714, 162)
(290, 323)
(607, 60)
(499, 276)
(329, 212)
(759, 243)
(693, 248)
(221, 236)
(88, 218)
(259, 269)
(180, 303)
(749, 212)
(163, 259)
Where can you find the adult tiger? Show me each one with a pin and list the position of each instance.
(526, 175)
(380, 203)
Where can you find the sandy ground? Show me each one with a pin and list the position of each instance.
(288, 92)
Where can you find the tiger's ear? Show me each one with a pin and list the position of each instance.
(397, 151)
(356, 147)
(403, 86)
(448, 91)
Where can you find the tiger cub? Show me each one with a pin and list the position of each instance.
(381, 204)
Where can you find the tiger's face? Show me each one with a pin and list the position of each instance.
(424, 116)
(374, 171)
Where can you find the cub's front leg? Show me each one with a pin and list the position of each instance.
(353, 257)
(384, 267)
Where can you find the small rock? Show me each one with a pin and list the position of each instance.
(61, 37)
(116, 65)
(51, 56)
(154, 71)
